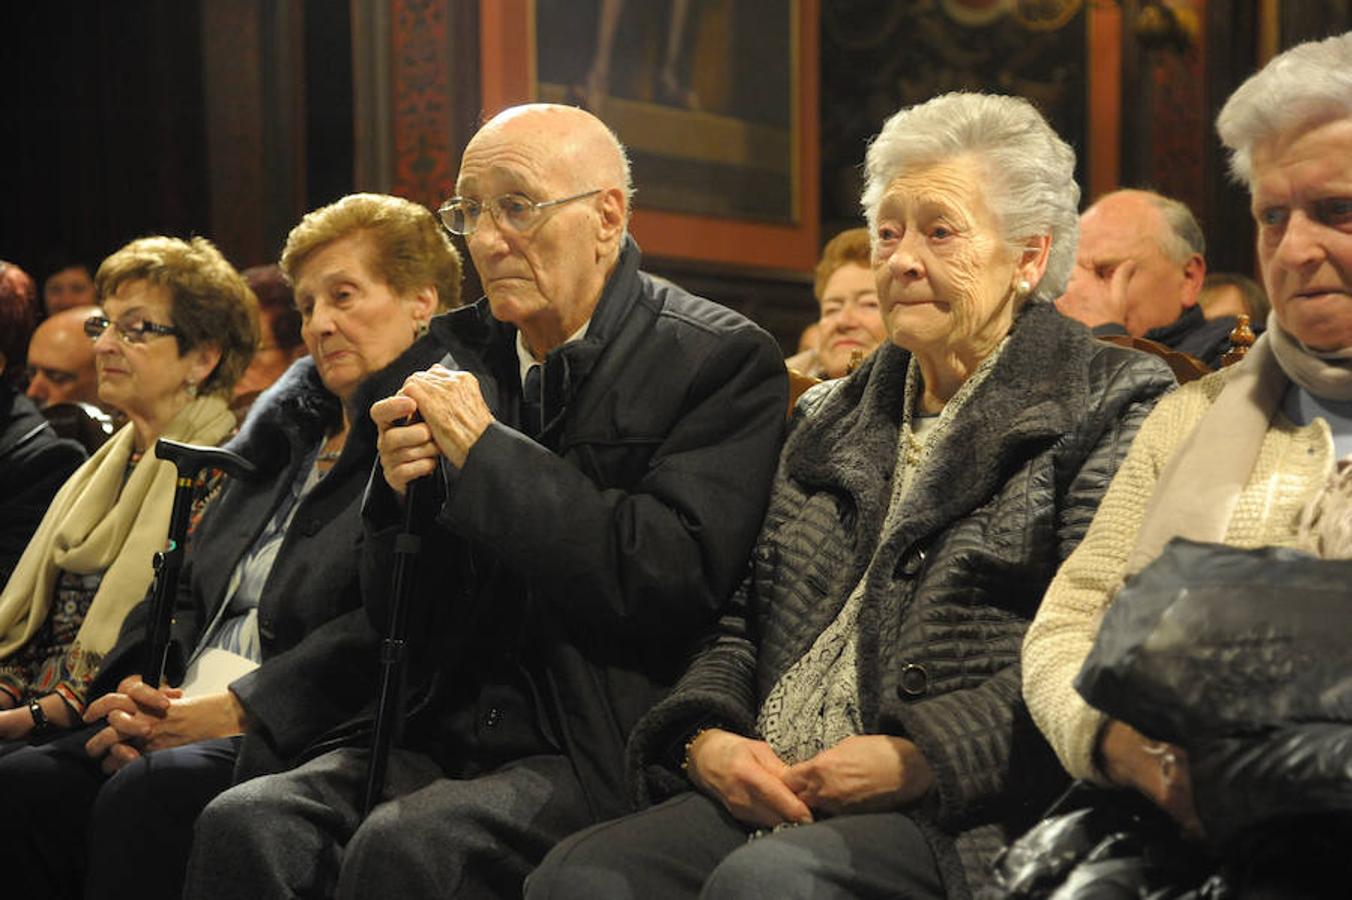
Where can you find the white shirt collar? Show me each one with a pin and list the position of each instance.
(524, 360)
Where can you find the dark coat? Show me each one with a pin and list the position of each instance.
(34, 463)
(616, 542)
(317, 645)
(1008, 494)
(1191, 333)
(1195, 334)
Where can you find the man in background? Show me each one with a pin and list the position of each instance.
(1139, 271)
(69, 284)
(61, 360)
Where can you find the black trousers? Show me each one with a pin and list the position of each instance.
(67, 830)
(301, 833)
(690, 847)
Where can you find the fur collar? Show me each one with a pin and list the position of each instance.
(1038, 391)
(296, 410)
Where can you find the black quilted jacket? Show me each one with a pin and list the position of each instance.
(1006, 496)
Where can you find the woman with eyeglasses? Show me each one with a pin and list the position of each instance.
(178, 327)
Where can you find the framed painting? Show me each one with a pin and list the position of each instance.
(715, 100)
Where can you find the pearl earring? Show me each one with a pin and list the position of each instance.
(1023, 288)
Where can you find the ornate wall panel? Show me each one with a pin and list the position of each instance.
(880, 55)
(421, 76)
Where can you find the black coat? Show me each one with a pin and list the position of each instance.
(616, 542)
(317, 645)
(34, 463)
(1191, 333)
(1009, 492)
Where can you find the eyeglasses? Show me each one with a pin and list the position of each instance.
(131, 331)
(517, 212)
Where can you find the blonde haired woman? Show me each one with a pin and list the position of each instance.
(179, 325)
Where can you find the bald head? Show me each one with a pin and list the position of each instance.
(581, 142)
(545, 263)
(61, 360)
(1163, 243)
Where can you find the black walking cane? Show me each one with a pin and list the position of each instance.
(390, 705)
(189, 459)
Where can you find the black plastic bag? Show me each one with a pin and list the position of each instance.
(1209, 639)
(1243, 657)
(1103, 843)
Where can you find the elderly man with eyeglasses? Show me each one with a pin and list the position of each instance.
(593, 460)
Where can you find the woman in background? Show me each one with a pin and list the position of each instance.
(179, 325)
(850, 325)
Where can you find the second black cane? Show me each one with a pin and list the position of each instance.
(190, 460)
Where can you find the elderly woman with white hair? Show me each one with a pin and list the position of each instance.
(864, 684)
(1247, 457)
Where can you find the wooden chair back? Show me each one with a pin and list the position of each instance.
(798, 383)
(1186, 366)
(1241, 339)
(82, 422)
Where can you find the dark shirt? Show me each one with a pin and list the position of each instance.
(1191, 333)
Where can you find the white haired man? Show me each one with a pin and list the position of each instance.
(1248, 457)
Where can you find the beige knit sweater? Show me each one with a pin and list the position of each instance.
(1292, 465)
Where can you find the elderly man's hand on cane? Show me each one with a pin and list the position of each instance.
(453, 418)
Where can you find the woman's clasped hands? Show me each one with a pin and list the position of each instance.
(863, 773)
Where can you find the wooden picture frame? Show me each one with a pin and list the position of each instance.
(765, 238)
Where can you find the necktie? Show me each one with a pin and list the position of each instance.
(531, 423)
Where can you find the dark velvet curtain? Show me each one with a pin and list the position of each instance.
(103, 131)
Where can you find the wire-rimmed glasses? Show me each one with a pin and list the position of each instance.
(513, 211)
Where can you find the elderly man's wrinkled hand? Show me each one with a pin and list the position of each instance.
(863, 773)
(407, 451)
(452, 407)
(746, 777)
(1158, 770)
(1097, 300)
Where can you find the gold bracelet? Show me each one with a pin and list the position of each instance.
(685, 757)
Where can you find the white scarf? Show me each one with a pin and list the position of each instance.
(98, 524)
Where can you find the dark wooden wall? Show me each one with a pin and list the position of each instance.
(231, 119)
(103, 135)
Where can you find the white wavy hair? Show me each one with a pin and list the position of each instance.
(1309, 84)
(1030, 171)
